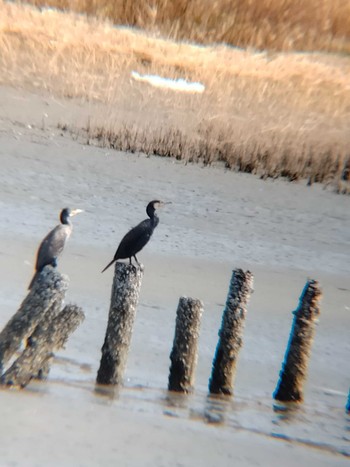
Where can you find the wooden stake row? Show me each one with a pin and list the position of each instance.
(46, 327)
(125, 293)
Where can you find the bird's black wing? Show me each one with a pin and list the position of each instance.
(52, 245)
(135, 240)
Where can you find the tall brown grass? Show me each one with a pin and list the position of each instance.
(281, 114)
(262, 24)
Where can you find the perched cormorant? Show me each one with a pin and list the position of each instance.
(138, 236)
(52, 245)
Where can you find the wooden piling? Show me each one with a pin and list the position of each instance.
(294, 367)
(184, 353)
(231, 333)
(43, 342)
(124, 299)
(45, 298)
(41, 329)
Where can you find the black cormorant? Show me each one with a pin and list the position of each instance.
(53, 244)
(138, 236)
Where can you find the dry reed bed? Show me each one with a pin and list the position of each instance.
(271, 114)
(263, 24)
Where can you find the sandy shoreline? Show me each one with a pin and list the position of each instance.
(218, 220)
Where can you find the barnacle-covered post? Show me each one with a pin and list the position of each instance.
(296, 360)
(43, 341)
(231, 333)
(184, 353)
(124, 299)
(41, 304)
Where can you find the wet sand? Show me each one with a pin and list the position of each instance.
(218, 220)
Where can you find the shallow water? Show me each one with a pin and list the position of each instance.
(321, 427)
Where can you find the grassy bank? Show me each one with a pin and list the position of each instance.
(281, 114)
(262, 24)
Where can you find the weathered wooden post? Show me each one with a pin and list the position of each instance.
(124, 299)
(43, 301)
(43, 341)
(231, 333)
(296, 359)
(184, 353)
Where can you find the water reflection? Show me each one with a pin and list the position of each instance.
(287, 412)
(176, 403)
(109, 392)
(322, 425)
(217, 408)
(214, 409)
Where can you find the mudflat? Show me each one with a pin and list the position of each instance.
(218, 220)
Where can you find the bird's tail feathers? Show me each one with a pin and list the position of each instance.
(34, 278)
(108, 265)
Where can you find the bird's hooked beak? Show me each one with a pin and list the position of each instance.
(75, 212)
(163, 203)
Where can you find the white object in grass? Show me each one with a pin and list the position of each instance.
(167, 83)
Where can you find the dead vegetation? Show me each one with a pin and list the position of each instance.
(274, 114)
(263, 24)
